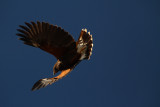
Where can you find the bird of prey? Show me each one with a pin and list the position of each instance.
(58, 42)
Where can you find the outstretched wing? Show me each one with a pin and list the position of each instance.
(48, 81)
(47, 37)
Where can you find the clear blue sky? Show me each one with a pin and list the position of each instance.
(123, 71)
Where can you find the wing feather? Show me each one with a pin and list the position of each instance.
(50, 38)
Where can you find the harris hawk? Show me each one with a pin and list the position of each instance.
(58, 42)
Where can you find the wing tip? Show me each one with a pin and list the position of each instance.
(43, 83)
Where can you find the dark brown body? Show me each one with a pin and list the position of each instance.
(61, 65)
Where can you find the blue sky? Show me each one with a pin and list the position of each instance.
(124, 68)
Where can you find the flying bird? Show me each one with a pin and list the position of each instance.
(58, 42)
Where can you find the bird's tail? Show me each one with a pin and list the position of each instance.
(85, 44)
(48, 81)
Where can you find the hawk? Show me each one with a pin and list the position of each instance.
(58, 42)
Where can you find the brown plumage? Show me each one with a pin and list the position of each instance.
(59, 43)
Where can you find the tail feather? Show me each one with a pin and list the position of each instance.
(43, 83)
(85, 44)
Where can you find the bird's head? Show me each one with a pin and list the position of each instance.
(56, 67)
